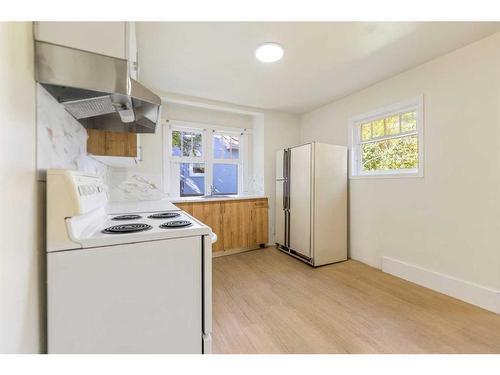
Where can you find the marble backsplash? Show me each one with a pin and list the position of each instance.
(131, 184)
(61, 140)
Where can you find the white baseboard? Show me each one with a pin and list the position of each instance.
(475, 294)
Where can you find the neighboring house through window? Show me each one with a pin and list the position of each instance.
(226, 159)
(388, 142)
(204, 160)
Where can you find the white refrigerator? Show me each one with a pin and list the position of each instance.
(311, 202)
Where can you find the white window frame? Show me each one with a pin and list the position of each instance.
(354, 133)
(170, 179)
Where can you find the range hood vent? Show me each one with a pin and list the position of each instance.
(90, 107)
(96, 89)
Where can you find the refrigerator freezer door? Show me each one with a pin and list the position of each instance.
(300, 199)
(279, 222)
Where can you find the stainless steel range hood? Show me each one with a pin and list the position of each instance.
(96, 89)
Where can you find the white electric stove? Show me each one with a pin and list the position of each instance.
(123, 280)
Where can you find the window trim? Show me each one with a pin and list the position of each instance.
(354, 135)
(170, 186)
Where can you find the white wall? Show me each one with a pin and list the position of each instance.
(21, 240)
(448, 221)
(258, 161)
(281, 130)
(174, 111)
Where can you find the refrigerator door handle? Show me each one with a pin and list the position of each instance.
(284, 178)
(287, 181)
(284, 195)
(284, 164)
(287, 190)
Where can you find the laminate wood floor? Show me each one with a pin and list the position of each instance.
(268, 302)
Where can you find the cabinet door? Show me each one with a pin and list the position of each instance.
(121, 144)
(187, 207)
(300, 199)
(211, 215)
(106, 143)
(106, 38)
(96, 142)
(237, 220)
(260, 222)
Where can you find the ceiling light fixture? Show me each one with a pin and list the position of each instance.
(269, 52)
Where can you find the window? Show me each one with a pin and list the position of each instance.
(226, 156)
(191, 179)
(187, 151)
(186, 143)
(204, 161)
(388, 142)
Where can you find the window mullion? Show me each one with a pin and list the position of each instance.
(401, 135)
(225, 161)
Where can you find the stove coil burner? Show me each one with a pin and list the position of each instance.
(164, 215)
(127, 217)
(176, 224)
(127, 228)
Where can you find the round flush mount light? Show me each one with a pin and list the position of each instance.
(269, 52)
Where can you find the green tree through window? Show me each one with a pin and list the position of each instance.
(389, 143)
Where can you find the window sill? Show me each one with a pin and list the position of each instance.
(388, 175)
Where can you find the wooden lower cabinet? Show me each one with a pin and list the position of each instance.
(239, 224)
(209, 213)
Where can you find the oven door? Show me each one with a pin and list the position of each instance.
(134, 298)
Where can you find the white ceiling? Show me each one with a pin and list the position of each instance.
(323, 61)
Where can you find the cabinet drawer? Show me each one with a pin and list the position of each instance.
(261, 204)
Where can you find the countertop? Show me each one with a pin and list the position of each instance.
(218, 199)
(166, 204)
